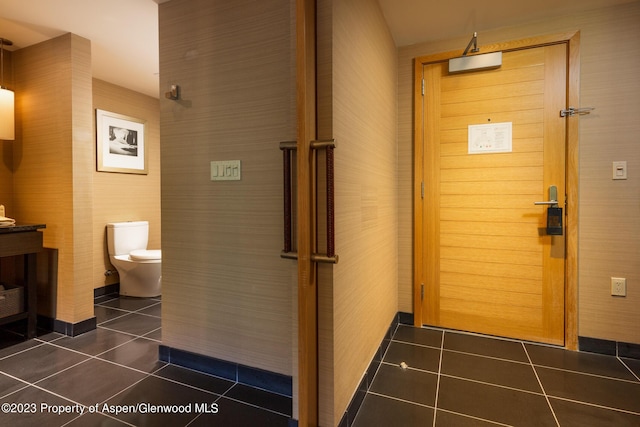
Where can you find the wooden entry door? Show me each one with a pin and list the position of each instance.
(488, 264)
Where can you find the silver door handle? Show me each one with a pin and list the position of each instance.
(553, 197)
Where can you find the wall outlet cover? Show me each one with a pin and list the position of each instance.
(618, 286)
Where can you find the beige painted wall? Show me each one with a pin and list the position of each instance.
(6, 148)
(53, 160)
(226, 291)
(360, 103)
(608, 210)
(125, 197)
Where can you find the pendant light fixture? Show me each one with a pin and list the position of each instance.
(7, 102)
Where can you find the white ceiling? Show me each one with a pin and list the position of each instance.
(124, 33)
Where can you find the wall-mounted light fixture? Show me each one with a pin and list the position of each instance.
(7, 102)
(485, 61)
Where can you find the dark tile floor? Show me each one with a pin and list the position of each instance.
(456, 379)
(451, 379)
(117, 365)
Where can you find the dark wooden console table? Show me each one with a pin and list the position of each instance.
(24, 239)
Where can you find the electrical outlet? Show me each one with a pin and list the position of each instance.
(619, 286)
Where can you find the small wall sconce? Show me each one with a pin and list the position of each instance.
(174, 93)
(7, 100)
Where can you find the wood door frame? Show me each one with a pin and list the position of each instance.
(572, 40)
(308, 393)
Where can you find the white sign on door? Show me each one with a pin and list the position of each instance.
(490, 138)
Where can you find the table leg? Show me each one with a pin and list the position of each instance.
(31, 289)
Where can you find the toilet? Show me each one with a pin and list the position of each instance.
(139, 268)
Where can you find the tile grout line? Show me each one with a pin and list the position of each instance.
(138, 311)
(127, 313)
(375, 393)
(24, 384)
(76, 403)
(35, 384)
(435, 402)
(89, 357)
(96, 357)
(127, 333)
(595, 405)
(628, 368)
(22, 351)
(463, 352)
(218, 395)
(145, 336)
(410, 402)
(526, 363)
(470, 380)
(475, 418)
(544, 392)
(588, 374)
(193, 420)
(92, 357)
(125, 389)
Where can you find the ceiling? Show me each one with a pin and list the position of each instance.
(124, 33)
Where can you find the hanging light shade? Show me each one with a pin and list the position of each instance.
(7, 118)
(7, 100)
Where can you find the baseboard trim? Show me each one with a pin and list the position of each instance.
(254, 377)
(106, 290)
(66, 328)
(349, 416)
(405, 318)
(608, 347)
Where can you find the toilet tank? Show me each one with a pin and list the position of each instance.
(124, 237)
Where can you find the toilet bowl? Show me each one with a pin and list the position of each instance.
(139, 268)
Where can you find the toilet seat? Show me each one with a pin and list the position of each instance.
(145, 255)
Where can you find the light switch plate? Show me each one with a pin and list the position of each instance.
(619, 170)
(226, 170)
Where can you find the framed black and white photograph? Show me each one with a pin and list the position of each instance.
(120, 143)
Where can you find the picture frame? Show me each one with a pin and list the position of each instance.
(120, 143)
